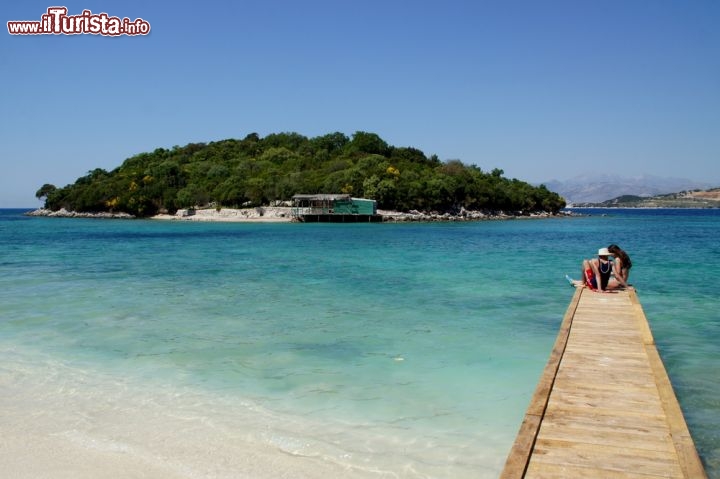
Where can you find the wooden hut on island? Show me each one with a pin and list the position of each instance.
(334, 208)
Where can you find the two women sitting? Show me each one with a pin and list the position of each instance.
(604, 273)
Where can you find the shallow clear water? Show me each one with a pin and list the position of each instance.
(409, 350)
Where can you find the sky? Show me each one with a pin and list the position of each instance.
(540, 89)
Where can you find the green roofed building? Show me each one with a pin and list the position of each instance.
(329, 208)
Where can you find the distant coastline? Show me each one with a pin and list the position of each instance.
(698, 199)
(602, 207)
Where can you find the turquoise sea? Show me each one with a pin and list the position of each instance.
(364, 350)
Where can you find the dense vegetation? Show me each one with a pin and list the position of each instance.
(258, 171)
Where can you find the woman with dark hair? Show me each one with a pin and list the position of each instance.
(621, 268)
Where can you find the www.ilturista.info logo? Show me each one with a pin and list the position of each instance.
(57, 22)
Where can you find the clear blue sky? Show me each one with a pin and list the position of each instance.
(541, 89)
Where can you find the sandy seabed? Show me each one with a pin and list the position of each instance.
(62, 421)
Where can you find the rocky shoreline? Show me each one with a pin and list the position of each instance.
(63, 213)
(465, 215)
(278, 214)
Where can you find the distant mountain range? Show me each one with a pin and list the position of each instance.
(600, 188)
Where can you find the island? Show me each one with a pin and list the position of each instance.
(266, 172)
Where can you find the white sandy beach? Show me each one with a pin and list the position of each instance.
(265, 214)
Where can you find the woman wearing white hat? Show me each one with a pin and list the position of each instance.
(597, 271)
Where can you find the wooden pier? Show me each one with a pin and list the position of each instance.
(604, 406)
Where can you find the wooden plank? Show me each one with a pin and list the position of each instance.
(588, 384)
(556, 471)
(610, 418)
(519, 455)
(660, 441)
(600, 402)
(597, 430)
(602, 458)
(689, 459)
(641, 320)
(542, 392)
(604, 406)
